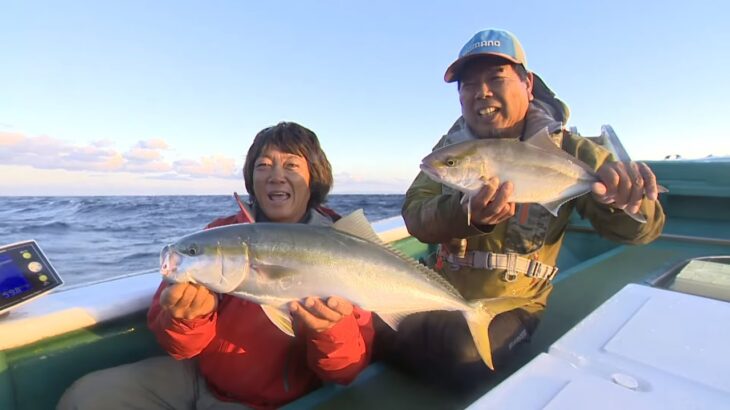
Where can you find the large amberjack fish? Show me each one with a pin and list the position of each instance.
(540, 172)
(273, 264)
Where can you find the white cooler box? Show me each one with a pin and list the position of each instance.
(644, 348)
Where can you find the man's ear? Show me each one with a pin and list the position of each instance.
(529, 82)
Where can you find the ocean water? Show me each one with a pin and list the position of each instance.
(93, 238)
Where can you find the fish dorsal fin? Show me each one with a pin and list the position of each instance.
(432, 275)
(541, 139)
(280, 318)
(356, 224)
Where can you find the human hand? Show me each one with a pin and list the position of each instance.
(318, 315)
(490, 206)
(188, 300)
(623, 185)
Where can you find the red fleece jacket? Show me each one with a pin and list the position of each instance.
(245, 358)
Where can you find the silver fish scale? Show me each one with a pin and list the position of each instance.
(538, 175)
(292, 261)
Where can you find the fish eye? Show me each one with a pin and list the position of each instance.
(192, 250)
(450, 162)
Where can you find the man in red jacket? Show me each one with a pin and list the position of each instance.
(241, 359)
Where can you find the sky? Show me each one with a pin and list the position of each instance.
(164, 97)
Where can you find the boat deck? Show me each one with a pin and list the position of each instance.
(593, 269)
(578, 291)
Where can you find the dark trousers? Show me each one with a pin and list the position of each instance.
(438, 347)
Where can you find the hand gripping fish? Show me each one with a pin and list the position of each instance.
(540, 171)
(272, 264)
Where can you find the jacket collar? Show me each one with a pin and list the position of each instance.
(535, 120)
(311, 217)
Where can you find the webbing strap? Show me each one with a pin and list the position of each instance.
(513, 263)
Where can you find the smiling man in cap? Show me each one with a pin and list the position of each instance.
(504, 249)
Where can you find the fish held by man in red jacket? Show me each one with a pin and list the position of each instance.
(272, 264)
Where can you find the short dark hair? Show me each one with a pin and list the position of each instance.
(292, 138)
(521, 71)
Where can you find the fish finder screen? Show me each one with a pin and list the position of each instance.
(25, 274)
(12, 280)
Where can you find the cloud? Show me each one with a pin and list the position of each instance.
(347, 183)
(169, 176)
(215, 165)
(154, 143)
(145, 157)
(10, 138)
(102, 143)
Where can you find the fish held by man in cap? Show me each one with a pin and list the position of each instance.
(272, 264)
(540, 172)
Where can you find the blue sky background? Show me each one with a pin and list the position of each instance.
(164, 97)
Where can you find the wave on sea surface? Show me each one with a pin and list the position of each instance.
(92, 238)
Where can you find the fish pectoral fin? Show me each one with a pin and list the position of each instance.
(466, 199)
(357, 224)
(638, 217)
(273, 272)
(393, 319)
(280, 318)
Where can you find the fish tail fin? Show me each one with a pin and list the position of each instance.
(478, 318)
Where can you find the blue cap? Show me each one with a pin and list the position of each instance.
(496, 42)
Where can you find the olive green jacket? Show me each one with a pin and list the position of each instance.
(433, 214)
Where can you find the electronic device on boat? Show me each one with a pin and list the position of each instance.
(25, 274)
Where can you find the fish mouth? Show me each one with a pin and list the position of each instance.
(430, 171)
(169, 261)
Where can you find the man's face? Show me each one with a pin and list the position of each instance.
(494, 100)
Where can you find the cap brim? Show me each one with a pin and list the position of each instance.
(452, 73)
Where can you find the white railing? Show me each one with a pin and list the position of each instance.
(86, 304)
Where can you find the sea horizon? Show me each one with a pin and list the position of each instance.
(95, 237)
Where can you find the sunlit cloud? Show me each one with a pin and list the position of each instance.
(103, 143)
(10, 138)
(53, 166)
(356, 183)
(145, 157)
(154, 143)
(215, 165)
